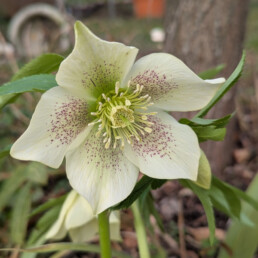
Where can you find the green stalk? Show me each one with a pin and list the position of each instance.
(104, 235)
(140, 231)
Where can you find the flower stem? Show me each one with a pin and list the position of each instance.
(105, 244)
(140, 231)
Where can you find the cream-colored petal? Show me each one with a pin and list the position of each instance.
(114, 220)
(58, 230)
(95, 65)
(58, 120)
(84, 233)
(103, 176)
(79, 214)
(170, 151)
(171, 84)
(114, 217)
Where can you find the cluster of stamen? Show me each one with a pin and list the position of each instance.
(121, 115)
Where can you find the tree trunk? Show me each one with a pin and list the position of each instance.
(206, 33)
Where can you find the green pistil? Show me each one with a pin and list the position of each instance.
(119, 117)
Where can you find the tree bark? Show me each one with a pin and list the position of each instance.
(206, 33)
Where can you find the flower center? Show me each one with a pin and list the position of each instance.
(121, 115)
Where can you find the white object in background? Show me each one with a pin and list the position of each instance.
(157, 35)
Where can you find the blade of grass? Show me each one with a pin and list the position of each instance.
(21, 210)
(67, 246)
(226, 86)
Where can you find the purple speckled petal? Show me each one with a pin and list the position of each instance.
(170, 151)
(58, 120)
(95, 65)
(103, 176)
(171, 84)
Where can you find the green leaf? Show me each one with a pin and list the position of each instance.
(241, 238)
(226, 198)
(143, 207)
(32, 83)
(139, 189)
(207, 205)
(203, 195)
(204, 172)
(209, 133)
(39, 242)
(208, 129)
(5, 152)
(49, 204)
(197, 121)
(240, 194)
(245, 219)
(46, 63)
(225, 88)
(43, 225)
(147, 208)
(221, 203)
(20, 214)
(211, 73)
(38, 233)
(37, 173)
(11, 185)
(157, 183)
(67, 246)
(6, 99)
(49, 217)
(230, 197)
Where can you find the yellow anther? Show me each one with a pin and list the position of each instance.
(128, 103)
(145, 96)
(122, 144)
(94, 122)
(108, 143)
(98, 133)
(148, 129)
(117, 88)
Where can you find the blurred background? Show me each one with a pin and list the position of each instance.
(203, 33)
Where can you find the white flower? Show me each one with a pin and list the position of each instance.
(76, 217)
(107, 117)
